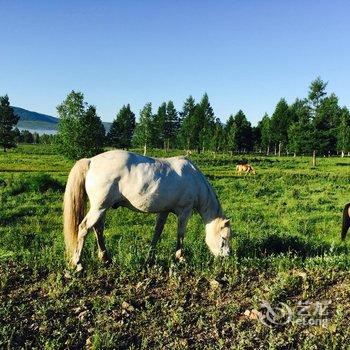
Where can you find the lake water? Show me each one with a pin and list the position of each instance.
(40, 131)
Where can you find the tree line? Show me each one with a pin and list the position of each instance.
(10, 135)
(314, 123)
(25, 136)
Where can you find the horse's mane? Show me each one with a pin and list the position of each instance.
(211, 192)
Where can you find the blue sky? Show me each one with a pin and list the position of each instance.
(245, 54)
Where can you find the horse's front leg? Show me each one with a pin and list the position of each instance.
(161, 219)
(181, 228)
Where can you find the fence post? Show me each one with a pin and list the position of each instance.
(314, 158)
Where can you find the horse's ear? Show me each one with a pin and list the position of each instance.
(226, 222)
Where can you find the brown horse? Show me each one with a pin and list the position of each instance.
(346, 221)
(245, 168)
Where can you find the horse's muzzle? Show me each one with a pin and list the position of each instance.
(224, 252)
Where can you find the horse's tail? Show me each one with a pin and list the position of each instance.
(346, 221)
(74, 204)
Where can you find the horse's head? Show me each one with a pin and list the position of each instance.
(217, 236)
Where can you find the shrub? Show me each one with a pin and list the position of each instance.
(37, 183)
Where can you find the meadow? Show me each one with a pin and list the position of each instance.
(286, 248)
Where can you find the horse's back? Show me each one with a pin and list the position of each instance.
(160, 185)
(117, 159)
(148, 184)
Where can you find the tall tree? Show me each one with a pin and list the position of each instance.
(92, 133)
(17, 135)
(80, 130)
(218, 140)
(343, 136)
(159, 125)
(300, 132)
(326, 122)
(171, 126)
(205, 122)
(326, 117)
(280, 122)
(122, 128)
(8, 120)
(256, 138)
(239, 133)
(230, 134)
(265, 129)
(244, 134)
(300, 137)
(189, 133)
(317, 91)
(144, 131)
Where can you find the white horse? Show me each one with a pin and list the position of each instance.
(120, 178)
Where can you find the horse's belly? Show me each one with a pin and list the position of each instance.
(150, 189)
(149, 203)
(154, 197)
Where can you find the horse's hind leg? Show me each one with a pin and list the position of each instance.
(91, 218)
(102, 251)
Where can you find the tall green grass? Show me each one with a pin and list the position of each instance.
(285, 223)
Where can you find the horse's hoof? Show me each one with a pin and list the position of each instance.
(106, 262)
(104, 258)
(179, 256)
(181, 260)
(79, 268)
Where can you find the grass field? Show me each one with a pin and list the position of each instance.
(286, 249)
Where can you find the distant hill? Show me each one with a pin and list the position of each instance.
(35, 121)
(40, 122)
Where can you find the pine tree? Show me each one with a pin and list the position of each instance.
(239, 133)
(256, 138)
(343, 137)
(300, 132)
(92, 134)
(218, 140)
(187, 134)
(230, 134)
(317, 91)
(326, 122)
(166, 122)
(244, 134)
(205, 122)
(171, 126)
(17, 135)
(326, 115)
(80, 130)
(265, 127)
(159, 125)
(8, 120)
(300, 137)
(122, 129)
(144, 131)
(280, 122)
